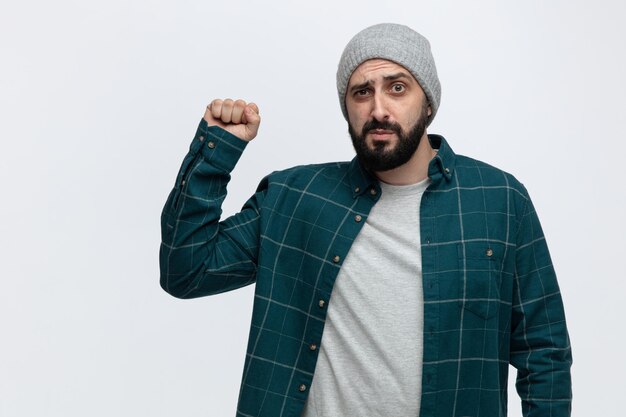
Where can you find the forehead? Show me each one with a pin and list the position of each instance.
(374, 69)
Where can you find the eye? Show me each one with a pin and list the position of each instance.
(361, 93)
(398, 88)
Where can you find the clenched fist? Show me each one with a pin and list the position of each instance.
(237, 117)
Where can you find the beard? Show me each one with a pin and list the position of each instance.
(378, 158)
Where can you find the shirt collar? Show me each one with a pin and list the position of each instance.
(362, 180)
(440, 167)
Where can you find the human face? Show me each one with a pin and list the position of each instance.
(387, 113)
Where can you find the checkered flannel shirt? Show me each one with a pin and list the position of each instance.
(490, 292)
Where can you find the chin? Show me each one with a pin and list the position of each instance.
(383, 146)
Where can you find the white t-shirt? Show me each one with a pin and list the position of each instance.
(370, 359)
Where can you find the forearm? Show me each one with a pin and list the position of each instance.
(540, 345)
(199, 255)
(541, 352)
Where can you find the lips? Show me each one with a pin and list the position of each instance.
(381, 133)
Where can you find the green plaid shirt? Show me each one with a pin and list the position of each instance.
(490, 292)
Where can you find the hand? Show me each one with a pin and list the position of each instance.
(237, 117)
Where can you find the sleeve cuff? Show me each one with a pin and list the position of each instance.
(217, 146)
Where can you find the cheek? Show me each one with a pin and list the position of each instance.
(411, 118)
(356, 129)
(355, 120)
(353, 113)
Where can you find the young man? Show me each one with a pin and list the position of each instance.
(402, 283)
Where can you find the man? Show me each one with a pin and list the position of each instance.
(402, 283)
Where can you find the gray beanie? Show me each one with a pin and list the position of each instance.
(397, 43)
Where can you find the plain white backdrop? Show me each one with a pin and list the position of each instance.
(98, 104)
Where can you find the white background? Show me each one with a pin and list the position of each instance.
(98, 104)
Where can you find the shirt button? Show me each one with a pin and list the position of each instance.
(373, 191)
(336, 259)
(357, 189)
(211, 144)
(302, 388)
(489, 252)
(313, 346)
(201, 138)
(358, 218)
(447, 170)
(321, 303)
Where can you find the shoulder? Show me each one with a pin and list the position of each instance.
(307, 177)
(475, 173)
(330, 171)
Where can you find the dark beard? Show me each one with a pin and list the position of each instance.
(378, 159)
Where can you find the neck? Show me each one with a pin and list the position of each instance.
(414, 170)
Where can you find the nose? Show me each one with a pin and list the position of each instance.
(380, 111)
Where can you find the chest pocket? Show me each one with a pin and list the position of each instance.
(480, 266)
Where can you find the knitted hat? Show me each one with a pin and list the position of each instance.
(397, 43)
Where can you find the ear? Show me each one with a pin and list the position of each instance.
(430, 111)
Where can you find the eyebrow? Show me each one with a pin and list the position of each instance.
(396, 76)
(390, 77)
(360, 86)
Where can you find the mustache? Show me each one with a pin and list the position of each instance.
(384, 125)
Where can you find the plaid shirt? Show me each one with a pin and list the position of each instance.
(490, 292)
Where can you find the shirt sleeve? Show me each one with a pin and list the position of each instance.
(540, 346)
(200, 255)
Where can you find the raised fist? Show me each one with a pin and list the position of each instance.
(237, 117)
